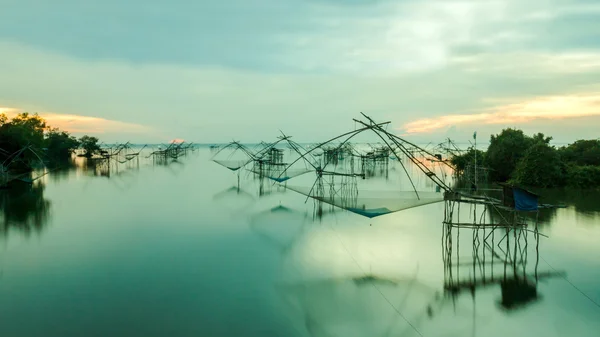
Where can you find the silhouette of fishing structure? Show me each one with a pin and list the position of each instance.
(338, 186)
(499, 223)
(10, 170)
(121, 159)
(122, 153)
(474, 174)
(238, 157)
(498, 256)
(375, 162)
(172, 151)
(271, 169)
(265, 161)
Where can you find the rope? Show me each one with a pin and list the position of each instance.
(573, 285)
(373, 284)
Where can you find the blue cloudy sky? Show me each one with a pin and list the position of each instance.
(210, 71)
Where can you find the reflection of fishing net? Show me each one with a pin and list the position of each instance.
(355, 306)
(280, 226)
(234, 198)
(373, 203)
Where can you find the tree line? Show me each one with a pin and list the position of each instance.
(27, 138)
(531, 161)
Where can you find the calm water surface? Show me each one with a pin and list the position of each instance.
(179, 250)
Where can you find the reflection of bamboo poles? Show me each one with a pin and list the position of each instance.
(511, 252)
(358, 283)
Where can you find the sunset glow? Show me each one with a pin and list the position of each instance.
(553, 107)
(82, 124)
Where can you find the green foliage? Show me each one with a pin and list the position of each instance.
(541, 138)
(540, 166)
(506, 150)
(25, 139)
(582, 152)
(89, 145)
(60, 144)
(24, 130)
(587, 176)
(531, 161)
(460, 162)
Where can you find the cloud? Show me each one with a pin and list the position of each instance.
(210, 104)
(92, 125)
(318, 36)
(398, 36)
(213, 72)
(83, 124)
(388, 37)
(549, 108)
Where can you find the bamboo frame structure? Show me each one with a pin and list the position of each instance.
(499, 252)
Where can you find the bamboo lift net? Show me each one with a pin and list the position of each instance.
(238, 157)
(337, 185)
(269, 161)
(374, 203)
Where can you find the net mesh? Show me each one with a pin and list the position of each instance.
(233, 165)
(280, 177)
(373, 203)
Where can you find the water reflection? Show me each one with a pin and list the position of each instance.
(280, 226)
(24, 207)
(110, 168)
(355, 306)
(63, 171)
(173, 165)
(491, 257)
(234, 198)
(274, 268)
(585, 202)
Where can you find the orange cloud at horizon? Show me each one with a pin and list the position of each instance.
(82, 124)
(552, 107)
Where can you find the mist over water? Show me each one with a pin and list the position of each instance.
(181, 248)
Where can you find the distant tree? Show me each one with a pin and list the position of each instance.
(23, 131)
(587, 176)
(540, 166)
(460, 162)
(541, 138)
(506, 149)
(60, 144)
(89, 145)
(582, 152)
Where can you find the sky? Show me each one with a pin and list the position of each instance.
(213, 71)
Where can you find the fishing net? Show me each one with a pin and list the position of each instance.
(373, 203)
(233, 164)
(282, 175)
(233, 156)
